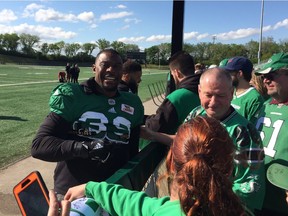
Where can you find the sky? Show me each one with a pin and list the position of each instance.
(145, 23)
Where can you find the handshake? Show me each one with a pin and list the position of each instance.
(96, 149)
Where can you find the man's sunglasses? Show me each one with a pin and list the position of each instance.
(270, 76)
(274, 74)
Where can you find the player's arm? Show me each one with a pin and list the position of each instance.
(134, 141)
(50, 143)
(166, 115)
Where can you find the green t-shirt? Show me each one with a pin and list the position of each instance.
(273, 127)
(117, 200)
(248, 104)
(249, 175)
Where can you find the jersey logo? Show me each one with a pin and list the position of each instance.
(112, 110)
(56, 92)
(128, 109)
(251, 186)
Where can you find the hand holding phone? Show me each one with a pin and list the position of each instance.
(58, 208)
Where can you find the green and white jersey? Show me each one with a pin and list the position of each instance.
(248, 104)
(97, 116)
(249, 175)
(273, 127)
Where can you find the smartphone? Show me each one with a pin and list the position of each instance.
(32, 195)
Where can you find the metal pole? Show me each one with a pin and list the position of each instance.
(177, 26)
(261, 28)
(177, 37)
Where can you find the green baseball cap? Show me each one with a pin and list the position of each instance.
(277, 61)
(223, 62)
(277, 174)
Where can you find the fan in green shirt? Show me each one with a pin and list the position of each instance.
(216, 92)
(273, 125)
(246, 99)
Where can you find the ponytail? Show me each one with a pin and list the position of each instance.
(201, 161)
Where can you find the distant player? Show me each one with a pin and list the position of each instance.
(62, 76)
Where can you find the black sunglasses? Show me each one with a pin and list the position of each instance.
(270, 76)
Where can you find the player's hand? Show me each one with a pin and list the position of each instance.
(75, 192)
(95, 150)
(98, 150)
(57, 209)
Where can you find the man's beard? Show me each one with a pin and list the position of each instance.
(133, 85)
(235, 83)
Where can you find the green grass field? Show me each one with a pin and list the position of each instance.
(24, 96)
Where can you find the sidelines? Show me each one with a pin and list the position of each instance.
(51, 81)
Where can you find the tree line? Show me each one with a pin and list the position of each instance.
(26, 45)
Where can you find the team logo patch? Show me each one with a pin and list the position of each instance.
(127, 109)
(111, 101)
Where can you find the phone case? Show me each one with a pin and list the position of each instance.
(32, 195)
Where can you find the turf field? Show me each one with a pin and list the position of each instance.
(24, 95)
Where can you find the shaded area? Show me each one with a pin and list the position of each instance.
(7, 205)
(14, 118)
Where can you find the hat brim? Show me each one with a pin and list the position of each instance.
(266, 71)
(277, 174)
(228, 68)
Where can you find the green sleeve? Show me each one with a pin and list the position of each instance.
(117, 200)
(62, 99)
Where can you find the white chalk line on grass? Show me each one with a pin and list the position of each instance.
(149, 74)
(39, 82)
(27, 83)
(37, 73)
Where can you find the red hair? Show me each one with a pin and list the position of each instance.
(200, 162)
